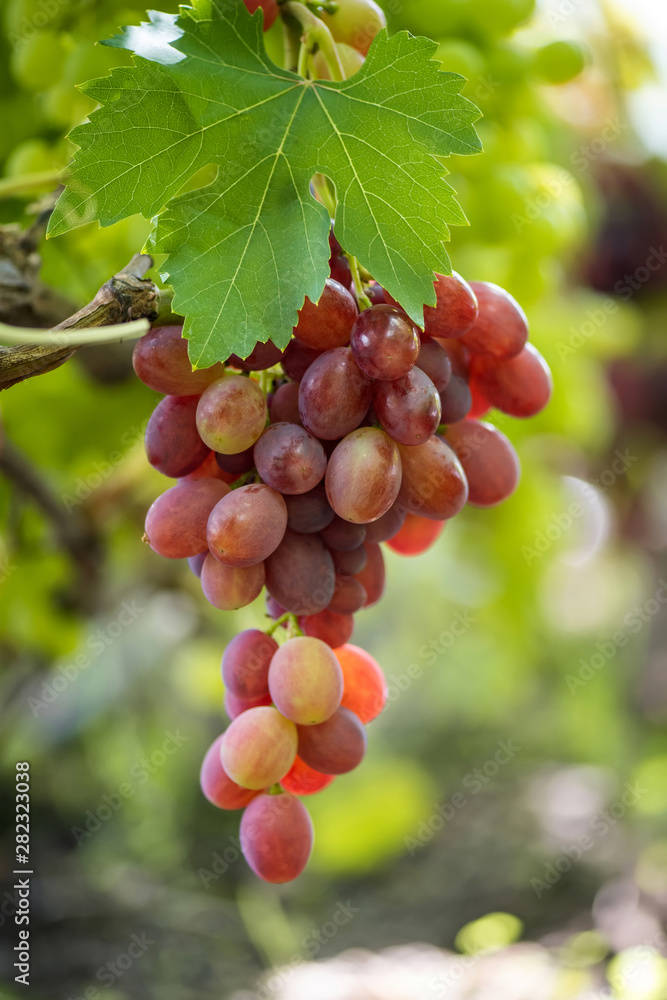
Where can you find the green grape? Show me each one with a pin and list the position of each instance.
(31, 157)
(64, 105)
(500, 17)
(433, 18)
(88, 61)
(459, 56)
(24, 18)
(559, 61)
(508, 65)
(37, 63)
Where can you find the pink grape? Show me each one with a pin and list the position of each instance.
(231, 414)
(245, 664)
(305, 681)
(372, 576)
(385, 343)
(501, 328)
(234, 706)
(247, 525)
(284, 404)
(334, 395)
(216, 784)
(329, 323)
(416, 536)
(364, 685)
(259, 747)
(161, 361)
(276, 837)
(176, 521)
(330, 627)
(304, 780)
(336, 746)
(409, 408)
(231, 587)
(434, 483)
(490, 462)
(456, 308)
(290, 459)
(300, 574)
(520, 386)
(173, 445)
(363, 476)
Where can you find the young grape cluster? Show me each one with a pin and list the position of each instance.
(292, 468)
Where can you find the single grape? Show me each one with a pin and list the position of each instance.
(332, 628)
(520, 386)
(216, 784)
(372, 576)
(231, 587)
(559, 62)
(269, 7)
(231, 414)
(501, 328)
(409, 408)
(435, 362)
(385, 527)
(434, 483)
(334, 395)
(351, 59)
(259, 747)
(349, 596)
(305, 681)
(196, 563)
(329, 323)
(309, 512)
(304, 780)
(247, 525)
(363, 476)
(261, 357)
(290, 459)
(350, 563)
(385, 343)
(456, 308)
(245, 664)
(276, 837)
(336, 746)
(161, 361)
(480, 406)
(234, 706)
(284, 404)
(209, 469)
(455, 400)
(176, 521)
(416, 536)
(300, 574)
(298, 359)
(364, 685)
(491, 464)
(237, 464)
(355, 23)
(376, 294)
(173, 445)
(459, 357)
(339, 269)
(343, 536)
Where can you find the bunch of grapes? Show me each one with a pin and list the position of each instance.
(293, 467)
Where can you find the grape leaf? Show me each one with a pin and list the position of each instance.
(246, 249)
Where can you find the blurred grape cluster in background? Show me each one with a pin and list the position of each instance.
(507, 836)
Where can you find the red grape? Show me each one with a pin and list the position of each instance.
(270, 8)
(385, 343)
(284, 404)
(245, 664)
(173, 445)
(304, 780)
(231, 587)
(234, 706)
(434, 484)
(339, 268)
(216, 784)
(298, 359)
(501, 327)
(305, 681)
(330, 627)
(372, 576)
(290, 459)
(259, 747)
(459, 357)
(365, 686)
(456, 308)
(276, 837)
(261, 357)
(176, 521)
(209, 469)
(161, 361)
(300, 574)
(343, 536)
(434, 360)
(480, 405)
(231, 414)
(196, 563)
(309, 512)
(416, 536)
(455, 400)
(385, 527)
(352, 562)
(236, 465)
(490, 462)
(363, 476)
(334, 395)
(336, 746)
(520, 386)
(247, 525)
(409, 408)
(349, 596)
(329, 323)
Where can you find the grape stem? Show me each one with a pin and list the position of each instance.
(362, 299)
(315, 35)
(292, 622)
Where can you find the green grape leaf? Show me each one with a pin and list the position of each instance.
(245, 250)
